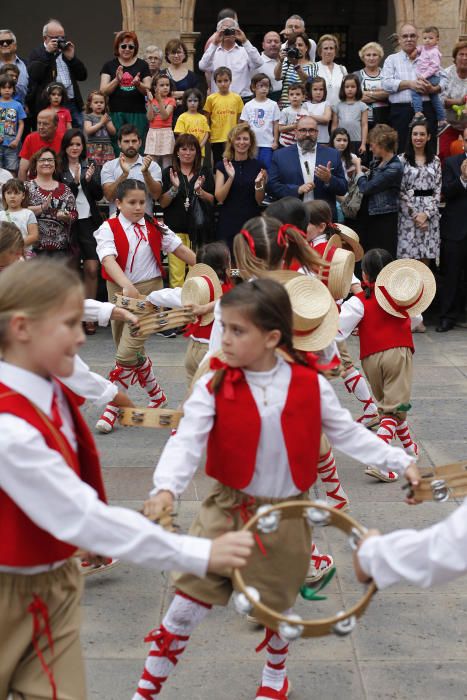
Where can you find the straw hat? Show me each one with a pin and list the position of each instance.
(315, 314)
(281, 276)
(410, 286)
(201, 286)
(350, 240)
(338, 275)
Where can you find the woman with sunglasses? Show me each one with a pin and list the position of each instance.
(125, 80)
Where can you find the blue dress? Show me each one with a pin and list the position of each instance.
(240, 204)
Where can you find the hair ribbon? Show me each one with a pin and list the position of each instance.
(283, 234)
(249, 239)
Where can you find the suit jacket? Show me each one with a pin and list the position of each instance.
(285, 174)
(454, 217)
(42, 68)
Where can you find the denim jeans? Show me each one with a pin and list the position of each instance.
(417, 101)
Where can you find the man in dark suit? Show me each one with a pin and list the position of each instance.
(454, 240)
(306, 169)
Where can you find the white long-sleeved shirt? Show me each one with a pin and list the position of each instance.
(352, 312)
(54, 497)
(141, 264)
(183, 452)
(242, 61)
(426, 557)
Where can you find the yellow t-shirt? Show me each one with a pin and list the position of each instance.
(195, 124)
(224, 111)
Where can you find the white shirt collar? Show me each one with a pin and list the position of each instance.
(126, 224)
(304, 154)
(35, 388)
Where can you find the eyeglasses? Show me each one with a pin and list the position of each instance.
(6, 42)
(180, 52)
(46, 160)
(307, 131)
(132, 47)
(408, 36)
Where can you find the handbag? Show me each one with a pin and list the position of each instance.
(352, 201)
(201, 222)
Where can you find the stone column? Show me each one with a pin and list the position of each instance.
(189, 39)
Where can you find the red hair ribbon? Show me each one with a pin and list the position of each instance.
(38, 610)
(368, 285)
(283, 234)
(401, 309)
(232, 375)
(249, 239)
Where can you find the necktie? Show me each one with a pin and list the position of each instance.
(55, 411)
(140, 234)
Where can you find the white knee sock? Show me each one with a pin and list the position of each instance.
(356, 384)
(168, 643)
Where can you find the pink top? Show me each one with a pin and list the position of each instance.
(428, 62)
(158, 122)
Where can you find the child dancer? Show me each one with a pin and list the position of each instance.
(52, 497)
(289, 115)
(129, 247)
(15, 201)
(383, 314)
(98, 128)
(351, 113)
(318, 107)
(55, 96)
(213, 272)
(262, 114)
(11, 244)
(160, 106)
(192, 120)
(241, 446)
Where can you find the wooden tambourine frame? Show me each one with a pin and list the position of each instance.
(343, 622)
(441, 483)
(162, 321)
(150, 417)
(138, 306)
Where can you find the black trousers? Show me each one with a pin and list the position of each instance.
(402, 114)
(217, 152)
(454, 279)
(378, 231)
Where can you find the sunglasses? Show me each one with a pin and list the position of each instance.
(128, 46)
(6, 42)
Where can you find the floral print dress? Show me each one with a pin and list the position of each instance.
(417, 181)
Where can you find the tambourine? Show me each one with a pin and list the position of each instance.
(150, 417)
(166, 519)
(441, 483)
(137, 306)
(289, 627)
(162, 321)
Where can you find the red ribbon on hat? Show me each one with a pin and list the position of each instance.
(232, 375)
(401, 309)
(312, 361)
(249, 239)
(328, 257)
(192, 327)
(283, 235)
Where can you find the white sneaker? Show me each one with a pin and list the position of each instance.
(319, 566)
(106, 422)
(387, 477)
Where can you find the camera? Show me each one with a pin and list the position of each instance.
(293, 52)
(62, 43)
(230, 31)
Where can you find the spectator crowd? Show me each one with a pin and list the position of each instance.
(385, 144)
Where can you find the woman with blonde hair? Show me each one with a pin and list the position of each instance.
(333, 73)
(240, 183)
(371, 55)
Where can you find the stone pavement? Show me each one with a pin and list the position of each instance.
(410, 644)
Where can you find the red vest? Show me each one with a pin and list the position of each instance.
(123, 247)
(23, 543)
(234, 438)
(380, 331)
(320, 247)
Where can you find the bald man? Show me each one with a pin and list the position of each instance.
(46, 135)
(56, 60)
(270, 55)
(399, 77)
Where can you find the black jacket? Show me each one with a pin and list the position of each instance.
(454, 217)
(92, 190)
(42, 69)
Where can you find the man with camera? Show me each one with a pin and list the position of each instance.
(296, 25)
(56, 60)
(242, 58)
